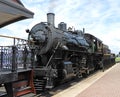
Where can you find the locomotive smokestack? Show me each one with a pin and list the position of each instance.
(83, 30)
(50, 18)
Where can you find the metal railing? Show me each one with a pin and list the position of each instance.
(16, 56)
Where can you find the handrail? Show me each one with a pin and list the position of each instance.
(15, 56)
(12, 37)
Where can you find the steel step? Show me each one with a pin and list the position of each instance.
(39, 84)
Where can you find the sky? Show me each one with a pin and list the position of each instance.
(100, 18)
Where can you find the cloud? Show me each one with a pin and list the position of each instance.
(100, 18)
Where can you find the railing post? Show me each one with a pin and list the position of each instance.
(14, 41)
(14, 64)
(1, 58)
(25, 54)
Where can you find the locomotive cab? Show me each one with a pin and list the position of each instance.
(96, 45)
(96, 51)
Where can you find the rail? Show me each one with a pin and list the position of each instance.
(16, 56)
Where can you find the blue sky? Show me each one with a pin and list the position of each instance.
(99, 17)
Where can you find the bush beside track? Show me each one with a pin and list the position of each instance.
(117, 59)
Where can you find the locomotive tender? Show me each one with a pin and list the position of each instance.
(60, 54)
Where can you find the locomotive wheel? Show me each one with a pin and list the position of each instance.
(102, 66)
(88, 72)
(85, 74)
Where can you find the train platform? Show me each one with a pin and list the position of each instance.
(100, 84)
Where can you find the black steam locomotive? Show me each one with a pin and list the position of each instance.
(61, 54)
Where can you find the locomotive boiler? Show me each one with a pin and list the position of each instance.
(61, 54)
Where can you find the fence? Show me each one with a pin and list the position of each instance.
(16, 56)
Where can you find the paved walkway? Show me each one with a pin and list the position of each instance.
(106, 86)
(101, 84)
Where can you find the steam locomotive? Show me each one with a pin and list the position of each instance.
(61, 54)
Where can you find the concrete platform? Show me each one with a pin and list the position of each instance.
(100, 84)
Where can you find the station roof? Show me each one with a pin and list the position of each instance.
(12, 11)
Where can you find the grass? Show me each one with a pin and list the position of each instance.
(117, 59)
